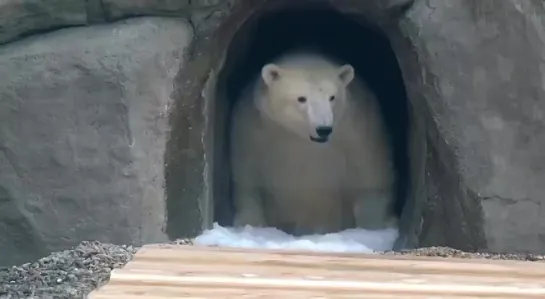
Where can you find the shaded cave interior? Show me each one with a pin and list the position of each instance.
(268, 34)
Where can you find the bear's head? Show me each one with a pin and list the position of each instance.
(306, 101)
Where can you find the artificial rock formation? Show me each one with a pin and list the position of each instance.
(478, 67)
(105, 129)
(84, 123)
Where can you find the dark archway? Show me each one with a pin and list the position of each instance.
(270, 33)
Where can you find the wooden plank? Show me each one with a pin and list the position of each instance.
(180, 271)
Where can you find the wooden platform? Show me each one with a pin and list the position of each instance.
(176, 271)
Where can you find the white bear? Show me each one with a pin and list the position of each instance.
(309, 150)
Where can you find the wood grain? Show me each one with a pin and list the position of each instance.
(179, 271)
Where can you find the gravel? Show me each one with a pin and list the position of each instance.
(449, 252)
(74, 273)
(65, 274)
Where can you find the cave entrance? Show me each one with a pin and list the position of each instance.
(268, 34)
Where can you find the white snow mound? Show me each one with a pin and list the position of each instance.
(350, 240)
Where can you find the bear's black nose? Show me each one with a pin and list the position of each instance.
(324, 131)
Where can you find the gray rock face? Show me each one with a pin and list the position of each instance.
(481, 70)
(83, 127)
(121, 8)
(199, 11)
(19, 17)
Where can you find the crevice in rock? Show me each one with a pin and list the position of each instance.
(96, 14)
(37, 32)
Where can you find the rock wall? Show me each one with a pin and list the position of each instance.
(481, 72)
(83, 128)
(19, 18)
(97, 120)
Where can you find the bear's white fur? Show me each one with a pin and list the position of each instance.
(285, 175)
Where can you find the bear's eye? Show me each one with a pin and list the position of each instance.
(332, 98)
(302, 99)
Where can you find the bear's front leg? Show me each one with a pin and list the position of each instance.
(248, 207)
(372, 209)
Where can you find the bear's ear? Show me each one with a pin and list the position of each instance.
(270, 73)
(346, 74)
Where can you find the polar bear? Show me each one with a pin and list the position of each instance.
(309, 151)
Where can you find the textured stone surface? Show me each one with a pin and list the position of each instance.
(481, 73)
(115, 9)
(18, 17)
(83, 127)
(197, 10)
